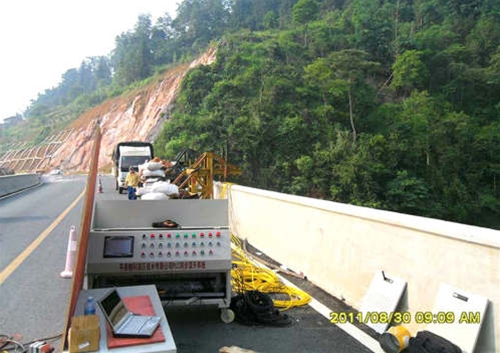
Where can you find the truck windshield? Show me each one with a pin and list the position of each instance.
(128, 161)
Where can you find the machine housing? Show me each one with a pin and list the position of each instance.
(188, 265)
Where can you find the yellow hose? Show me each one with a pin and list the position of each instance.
(246, 276)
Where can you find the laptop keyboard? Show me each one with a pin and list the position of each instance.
(149, 325)
(135, 324)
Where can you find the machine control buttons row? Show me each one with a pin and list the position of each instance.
(186, 244)
(200, 235)
(177, 253)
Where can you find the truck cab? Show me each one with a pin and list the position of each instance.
(129, 154)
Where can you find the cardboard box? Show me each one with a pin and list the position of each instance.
(84, 334)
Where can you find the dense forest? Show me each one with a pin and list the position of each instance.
(393, 104)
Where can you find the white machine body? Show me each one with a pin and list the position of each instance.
(192, 263)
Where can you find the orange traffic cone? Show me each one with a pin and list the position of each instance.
(70, 255)
(100, 186)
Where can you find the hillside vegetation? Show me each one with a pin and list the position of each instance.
(389, 104)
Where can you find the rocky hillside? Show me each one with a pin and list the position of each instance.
(137, 115)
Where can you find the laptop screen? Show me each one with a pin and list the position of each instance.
(114, 307)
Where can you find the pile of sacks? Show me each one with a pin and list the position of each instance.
(152, 174)
(153, 168)
(160, 190)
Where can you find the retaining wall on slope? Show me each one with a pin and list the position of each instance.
(340, 247)
(13, 183)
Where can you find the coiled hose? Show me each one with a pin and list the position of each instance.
(247, 276)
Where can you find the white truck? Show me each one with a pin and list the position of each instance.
(129, 154)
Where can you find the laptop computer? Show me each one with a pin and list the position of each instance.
(123, 322)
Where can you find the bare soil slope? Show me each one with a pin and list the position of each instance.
(137, 115)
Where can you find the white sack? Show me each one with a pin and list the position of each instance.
(154, 196)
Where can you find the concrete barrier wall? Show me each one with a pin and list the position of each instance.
(13, 183)
(340, 247)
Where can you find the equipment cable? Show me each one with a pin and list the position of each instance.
(248, 276)
(8, 343)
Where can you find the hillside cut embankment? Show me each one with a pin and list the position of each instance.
(137, 115)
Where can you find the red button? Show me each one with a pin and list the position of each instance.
(218, 234)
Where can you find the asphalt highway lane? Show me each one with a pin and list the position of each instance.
(33, 297)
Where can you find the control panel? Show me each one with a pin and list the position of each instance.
(159, 250)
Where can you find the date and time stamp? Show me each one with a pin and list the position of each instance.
(419, 317)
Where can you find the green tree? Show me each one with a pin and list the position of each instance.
(132, 58)
(337, 75)
(305, 11)
(409, 72)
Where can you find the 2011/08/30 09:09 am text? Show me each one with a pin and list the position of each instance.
(420, 317)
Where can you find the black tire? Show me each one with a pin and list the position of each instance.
(259, 302)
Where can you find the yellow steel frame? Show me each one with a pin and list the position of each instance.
(200, 175)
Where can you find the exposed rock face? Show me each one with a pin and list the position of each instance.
(136, 116)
